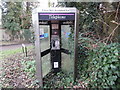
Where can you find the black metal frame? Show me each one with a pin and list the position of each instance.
(55, 54)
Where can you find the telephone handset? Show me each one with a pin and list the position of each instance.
(55, 42)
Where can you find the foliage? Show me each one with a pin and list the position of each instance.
(98, 63)
(15, 18)
(62, 80)
(88, 14)
(101, 67)
(27, 34)
(29, 66)
(58, 80)
(11, 17)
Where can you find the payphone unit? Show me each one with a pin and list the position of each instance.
(53, 28)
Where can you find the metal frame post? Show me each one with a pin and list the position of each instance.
(37, 49)
(76, 31)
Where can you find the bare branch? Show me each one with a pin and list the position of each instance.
(117, 11)
(112, 33)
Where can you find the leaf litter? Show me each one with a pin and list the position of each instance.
(13, 74)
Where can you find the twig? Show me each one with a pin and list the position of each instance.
(117, 12)
(105, 23)
(101, 21)
(118, 24)
(112, 33)
(102, 40)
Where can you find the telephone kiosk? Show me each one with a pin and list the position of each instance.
(51, 27)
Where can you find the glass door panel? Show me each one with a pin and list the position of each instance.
(46, 64)
(44, 37)
(67, 44)
(45, 45)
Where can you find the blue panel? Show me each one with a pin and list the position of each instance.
(67, 34)
(42, 36)
(46, 35)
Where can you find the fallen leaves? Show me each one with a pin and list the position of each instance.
(14, 76)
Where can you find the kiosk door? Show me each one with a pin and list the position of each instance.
(45, 48)
(67, 44)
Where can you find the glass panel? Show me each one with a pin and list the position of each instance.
(67, 63)
(65, 33)
(67, 43)
(44, 37)
(45, 44)
(46, 64)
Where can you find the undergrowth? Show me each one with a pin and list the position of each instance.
(98, 67)
(99, 63)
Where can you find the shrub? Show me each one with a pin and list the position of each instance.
(102, 66)
(29, 66)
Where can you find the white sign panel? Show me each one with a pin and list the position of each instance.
(55, 64)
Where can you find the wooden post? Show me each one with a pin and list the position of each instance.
(24, 49)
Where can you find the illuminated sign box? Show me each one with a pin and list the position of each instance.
(56, 16)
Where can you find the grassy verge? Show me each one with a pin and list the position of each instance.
(7, 53)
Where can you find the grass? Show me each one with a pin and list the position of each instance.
(7, 53)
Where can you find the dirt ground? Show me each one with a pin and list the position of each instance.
(13, 74)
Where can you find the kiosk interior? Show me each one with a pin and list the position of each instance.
(56, 31)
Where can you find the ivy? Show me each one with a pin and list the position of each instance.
(29, 66)
(102, 66)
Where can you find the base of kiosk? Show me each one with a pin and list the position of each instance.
(56, 70)
(56, 60)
